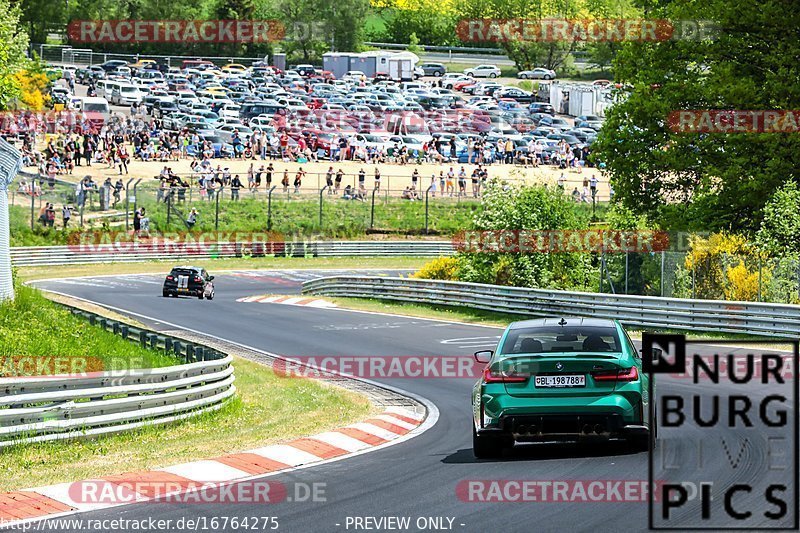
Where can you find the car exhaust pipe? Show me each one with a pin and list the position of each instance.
(599, 429)
(586, 429)
(533, 430)
(522, 429)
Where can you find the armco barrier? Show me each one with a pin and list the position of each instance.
(39, 409)
(76, 255)
(776, 320)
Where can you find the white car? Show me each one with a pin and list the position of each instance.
(537, 74)
(483, 71)
(448, 80)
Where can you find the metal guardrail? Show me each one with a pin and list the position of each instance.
(47, 408)
(774, 320)
(161, 250)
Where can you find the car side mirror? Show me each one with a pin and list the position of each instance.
(484, 356)
(210, 278)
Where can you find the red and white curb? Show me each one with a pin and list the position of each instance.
(287, 300)
(135, 487)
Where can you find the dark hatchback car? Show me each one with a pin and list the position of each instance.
(189, 281)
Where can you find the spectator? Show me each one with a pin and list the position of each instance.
(285, 181)
(191, 220)
(236, 184)
(66, 214)
(298, 180)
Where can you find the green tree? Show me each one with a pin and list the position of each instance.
(13, 43)
(717, 181)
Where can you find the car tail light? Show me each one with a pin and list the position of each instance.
(625, 374)
(504, 376)
(197, 279)
(170, 278)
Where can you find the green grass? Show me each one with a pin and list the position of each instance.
(267, 409)
(340, 218)
(34, 326)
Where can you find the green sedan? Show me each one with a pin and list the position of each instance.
(561, 380)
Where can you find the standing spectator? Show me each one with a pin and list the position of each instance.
(433, 186)
(593, 185)
(329, 180)
(298, 180)
(475, 182)
(137, 222)
(66, 214)
(338, 180)
(251, 178)
(462, 181)
(285, 181)
(236, 184)
(268, 178)
(377, 179)
(362, 179)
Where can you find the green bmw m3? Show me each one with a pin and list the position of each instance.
(561, 380)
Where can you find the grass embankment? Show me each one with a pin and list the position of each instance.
(267, 408)
(34, 326)
(295, 217)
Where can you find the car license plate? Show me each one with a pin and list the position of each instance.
(561, 381)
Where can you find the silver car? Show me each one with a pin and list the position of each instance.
(537, 74)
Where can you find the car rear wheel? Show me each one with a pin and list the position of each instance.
(437, 74)
(488, 446)
(211, 295)
(492, 75)
(200, 296)
(471, 74)
(164, 294)
(523, 76)
(547, 76)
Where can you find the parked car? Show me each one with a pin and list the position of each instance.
(483, 71)
(433, 69)
(537, 74)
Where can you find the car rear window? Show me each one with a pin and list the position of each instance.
(561, 339)
(182, 272)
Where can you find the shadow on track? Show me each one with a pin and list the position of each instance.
(548, 451)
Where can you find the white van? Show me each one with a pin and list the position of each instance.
(94, 106)
(108, 88)
(126, 94)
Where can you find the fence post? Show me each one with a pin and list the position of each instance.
(427, 191)
(322, 190)
(663, 258)
(127, 203)
(372, 210)
(269, 208)
(135, 195)
(759, 278)
(626, 271)
(169, 205)
(216, 209)
(33, 202)
(602, 270)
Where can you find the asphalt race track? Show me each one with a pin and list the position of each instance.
(417, 478)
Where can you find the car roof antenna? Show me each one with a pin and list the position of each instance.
(562, 322)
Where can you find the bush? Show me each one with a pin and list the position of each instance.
(725, 267)
(526, 208)
(444, 268)
(780, 229)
